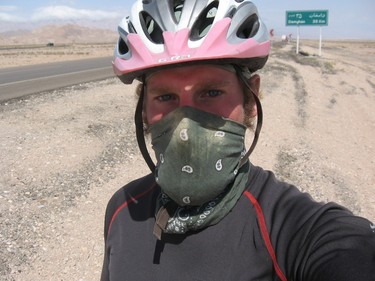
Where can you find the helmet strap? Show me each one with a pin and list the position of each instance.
(139, 129)
(258, 128)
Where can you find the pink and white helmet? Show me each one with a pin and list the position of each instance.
(161, 33)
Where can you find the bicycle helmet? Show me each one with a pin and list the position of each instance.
(161, 33)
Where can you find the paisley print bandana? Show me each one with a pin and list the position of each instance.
(198, 154)
(198, 167)
(186, 219)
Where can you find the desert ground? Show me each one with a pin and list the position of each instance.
(65, 152)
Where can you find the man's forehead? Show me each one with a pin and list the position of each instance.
(227, 67)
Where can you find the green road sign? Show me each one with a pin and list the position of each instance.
(307, 17)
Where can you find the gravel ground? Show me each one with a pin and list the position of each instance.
(58, 146)
(65, 152)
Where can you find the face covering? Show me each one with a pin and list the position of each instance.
(198, 166)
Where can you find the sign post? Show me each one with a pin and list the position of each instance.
(320, 41)
(298, 18)
(297, 49)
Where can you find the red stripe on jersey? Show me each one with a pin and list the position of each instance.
(264, 231)
(126, 203)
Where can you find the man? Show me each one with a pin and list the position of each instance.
(205, 212)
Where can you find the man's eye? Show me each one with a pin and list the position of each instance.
(213, 93)
(167, 97)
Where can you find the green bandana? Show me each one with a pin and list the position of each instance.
(198, 167)
(185, 219)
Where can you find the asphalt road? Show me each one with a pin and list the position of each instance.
(21, 81)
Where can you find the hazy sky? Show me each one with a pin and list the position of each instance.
(347, 19)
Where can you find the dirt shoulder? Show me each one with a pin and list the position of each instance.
(65, 152)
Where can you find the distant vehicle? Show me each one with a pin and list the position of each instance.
(50, 44)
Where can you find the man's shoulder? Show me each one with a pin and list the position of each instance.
(133, 189)
(264, 181)
(135, 199)
(279, 196)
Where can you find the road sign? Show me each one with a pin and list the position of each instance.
(319, 17)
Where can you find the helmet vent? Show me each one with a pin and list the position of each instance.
(231, 13)
(122, 47)
(249, 27)
(177, 8)
(131, 27)
(151, 29)
(204, 21)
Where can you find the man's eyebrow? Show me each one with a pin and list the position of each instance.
(200, 85)
(157, 89)
(212, 84)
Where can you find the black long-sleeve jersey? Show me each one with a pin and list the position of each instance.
(274, 232)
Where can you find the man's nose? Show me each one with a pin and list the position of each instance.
(186, 100)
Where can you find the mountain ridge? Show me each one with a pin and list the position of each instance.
(58, 34)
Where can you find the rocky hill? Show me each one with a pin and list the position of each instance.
(58, 34)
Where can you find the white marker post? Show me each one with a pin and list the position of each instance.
(297, 48)
(320, 41)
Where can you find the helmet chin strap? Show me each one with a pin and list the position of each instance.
(139, 129)
(138, 119)
(259, 115)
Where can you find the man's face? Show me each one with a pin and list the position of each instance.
(205, 87)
